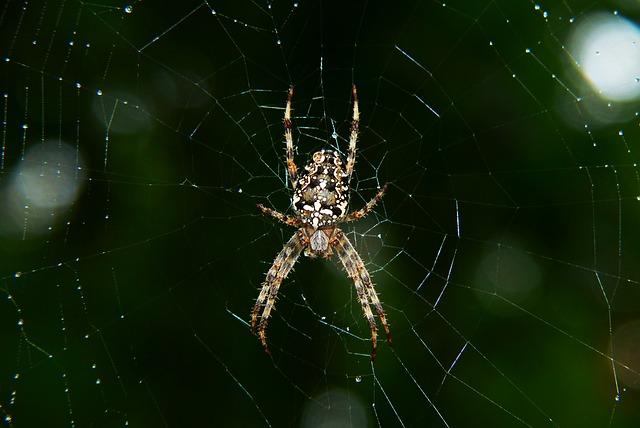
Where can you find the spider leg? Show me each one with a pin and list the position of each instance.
(283, 218)
(353, 136)
(291, 164)
(279, 270)
(367, 295)
(357, 215)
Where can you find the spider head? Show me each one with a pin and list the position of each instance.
(318, 242)
(321, 196)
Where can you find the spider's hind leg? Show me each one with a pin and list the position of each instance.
(288, 136)
(353, 136)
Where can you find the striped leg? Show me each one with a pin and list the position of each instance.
(291, 164)
(283, 218)
(356, 270)
(357, 215)
(279, 270)
(353, 137)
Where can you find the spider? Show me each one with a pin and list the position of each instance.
(320, 199)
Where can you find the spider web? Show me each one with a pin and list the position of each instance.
(137, 140)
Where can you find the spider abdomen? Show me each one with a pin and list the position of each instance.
(321, 195)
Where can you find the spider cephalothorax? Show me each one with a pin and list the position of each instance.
(320, 201)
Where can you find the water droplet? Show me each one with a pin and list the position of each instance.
(128, 9)
(17, 274)
(358, 379)
(78, 85)
(20, 322)
(99, 92)
(98, 381)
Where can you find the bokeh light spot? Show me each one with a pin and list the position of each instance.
(607, 53)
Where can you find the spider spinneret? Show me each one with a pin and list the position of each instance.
(320, 201)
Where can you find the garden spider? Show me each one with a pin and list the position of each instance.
(320, 199)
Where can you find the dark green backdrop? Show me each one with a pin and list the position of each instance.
(505, 252)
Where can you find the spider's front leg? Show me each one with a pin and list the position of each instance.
(279, 270)
(367, 295)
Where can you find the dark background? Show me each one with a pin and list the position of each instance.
(505, 251)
